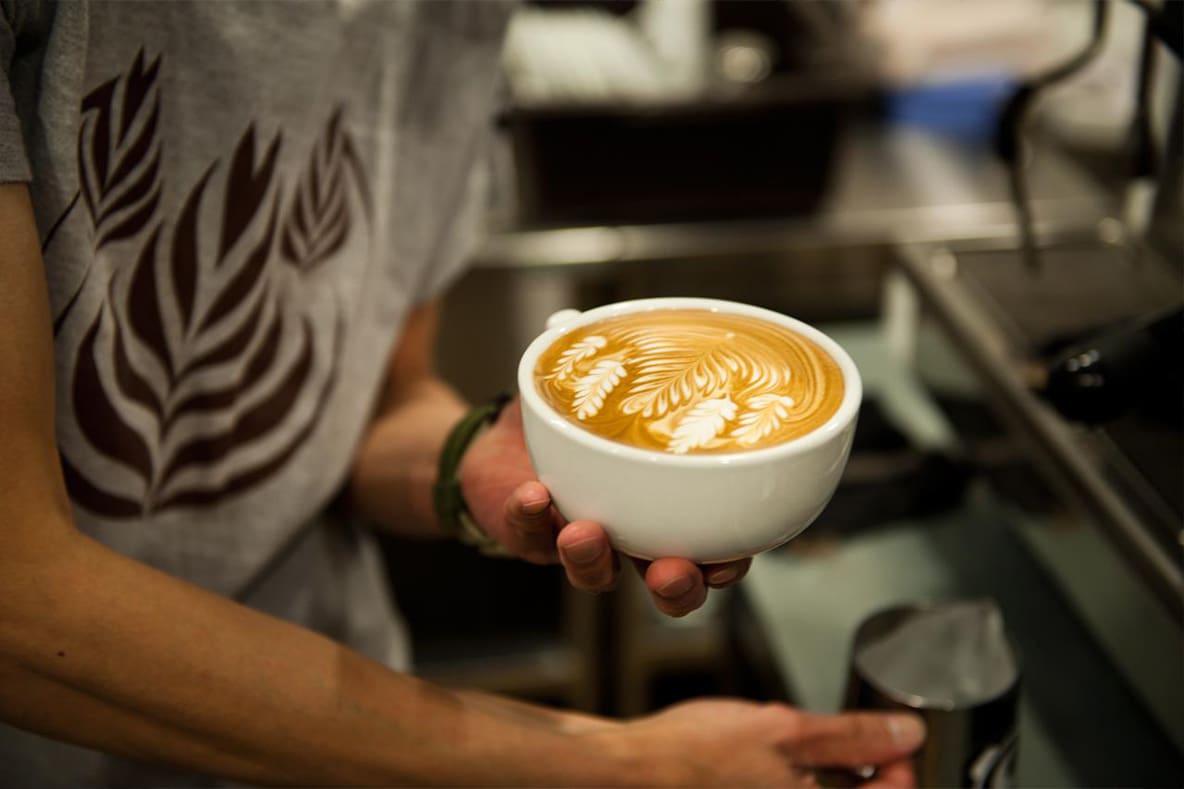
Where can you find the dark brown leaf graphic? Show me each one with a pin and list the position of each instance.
(100, 423)
(233, 345)
(243, 195)
(184, 255)
(245, 279)
(139, 149)
(246, 188)
(131, 384)
(252, 423)
(199, 496)
(359, 172)
(139, 83)
(260, 362)
(263, 357)
(134, 194)
(96, 108)
(224, 308)
(318, 219)
(100, 502)
(143, 306)
(132, 224)
(118, 172)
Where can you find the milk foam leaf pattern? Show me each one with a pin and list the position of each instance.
(702, 423)
(766, 382)
(592, 388)
(762, 415)
(578, 352)
(119, 152)
(668, 374)
(317, 221)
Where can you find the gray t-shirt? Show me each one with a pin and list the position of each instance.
(238, 204)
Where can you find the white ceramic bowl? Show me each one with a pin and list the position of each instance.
(707, 507)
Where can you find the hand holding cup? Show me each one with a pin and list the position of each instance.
(693, 428)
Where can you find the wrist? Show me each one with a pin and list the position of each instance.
(451, 510)
(616, 756)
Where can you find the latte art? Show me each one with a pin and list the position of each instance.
(690, 381)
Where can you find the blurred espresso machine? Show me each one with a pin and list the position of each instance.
(1103, 328)
(1075, 341)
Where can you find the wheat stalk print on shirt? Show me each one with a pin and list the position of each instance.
(191, 328)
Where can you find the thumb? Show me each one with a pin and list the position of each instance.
(856, 739)
(531, 523)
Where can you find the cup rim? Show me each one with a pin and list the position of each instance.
(839, 420)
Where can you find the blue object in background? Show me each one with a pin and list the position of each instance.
(966, 108)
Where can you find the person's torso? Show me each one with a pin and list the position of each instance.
(238, 204)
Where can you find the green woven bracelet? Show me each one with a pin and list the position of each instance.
(451, 510)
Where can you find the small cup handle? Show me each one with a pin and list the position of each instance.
(562, 317)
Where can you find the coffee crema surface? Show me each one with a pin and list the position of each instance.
(690, 381)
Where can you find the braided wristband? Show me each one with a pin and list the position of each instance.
(451, 510)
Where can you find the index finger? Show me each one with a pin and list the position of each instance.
(856, 739)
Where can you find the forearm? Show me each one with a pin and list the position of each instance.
(175, 674)
(395, 468)
(31, 701)
(535, 715)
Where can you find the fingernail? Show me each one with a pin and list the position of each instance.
(535, 506)
(676, 588)
(724, 576)
(907, 730)
(584, 551)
